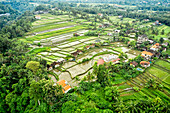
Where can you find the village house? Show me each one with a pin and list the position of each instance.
(65, 86)
(132, 35)
(57, 64)
(165, 44)
(99, 14)
(157, 23)
(147, 55)
(120, 16)
(38, 17)
(61, 60)
(100, 62)
(155, 53)
(101, 26)
(87, 47)
(40, 12)
(79, 52)
(117, 31)
(109, 34)
(146, 20)
(142, 38)
(105, 25)
(155, 47)
(116, 60)
(151, 41)
(134, 63)
(145, 64)
(76, 53)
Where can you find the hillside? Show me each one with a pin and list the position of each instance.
(89, 58)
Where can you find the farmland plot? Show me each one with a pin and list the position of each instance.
(59, 55)
(68, 64)
(76, 70)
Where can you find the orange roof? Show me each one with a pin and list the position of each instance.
(100, 62)
(142, 55)
(147, 53)
(62, 83)
(157, 44)
(63, 90)
(154, 46)
(144, 63)
(67, 87)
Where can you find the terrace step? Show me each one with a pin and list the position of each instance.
(141, 80)
(157, 78)
(125, 95)
(161, 68)
(135, 83)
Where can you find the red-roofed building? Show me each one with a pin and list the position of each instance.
(155, 47)
(38, 17)
(146, 54)
(145, 64)
(100, 62)
(114, 61)
(100, 14)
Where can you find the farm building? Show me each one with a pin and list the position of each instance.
(134, 64)
(38, 17)
(147, 55)
(144, 64)
(100, 62)
(155, 47)
(64, 85)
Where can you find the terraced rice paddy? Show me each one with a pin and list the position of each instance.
(127, 92)
(155, 73)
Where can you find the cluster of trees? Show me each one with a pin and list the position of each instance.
(18, 27)
(12, 14)
(20, 5)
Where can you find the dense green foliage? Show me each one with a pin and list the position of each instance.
(7, 13)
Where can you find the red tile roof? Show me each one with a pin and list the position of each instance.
(116, 60)
(100, 62)
(157, 44)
